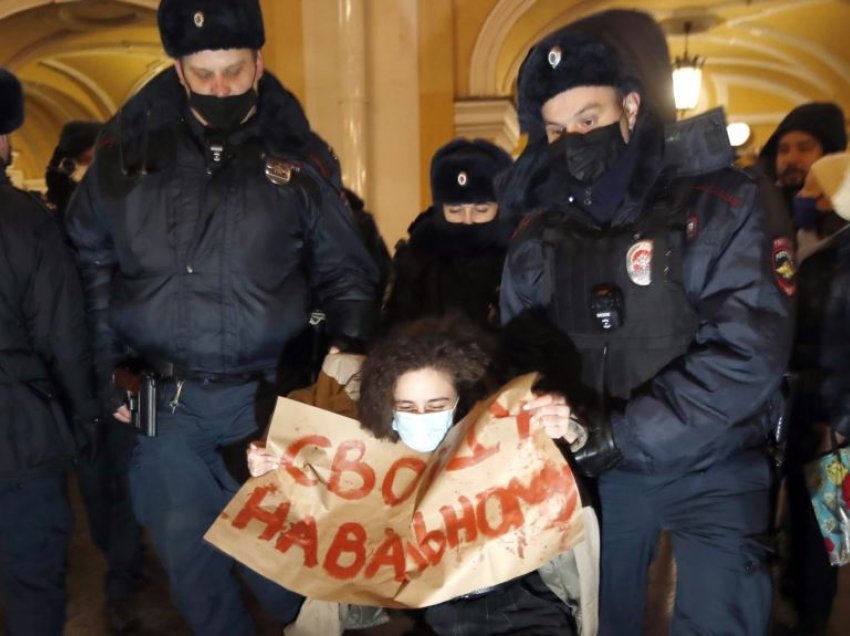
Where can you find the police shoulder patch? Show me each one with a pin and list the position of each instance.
(639, 262)
(784, 267)
(279, 171)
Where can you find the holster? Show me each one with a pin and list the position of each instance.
(141, 388)
(144, 415)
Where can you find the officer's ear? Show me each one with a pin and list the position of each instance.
(260, 67)
(631, 106)
(178, 66)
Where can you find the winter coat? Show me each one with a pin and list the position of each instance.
(45, 355)
(821, 357)
(720, 396)
(213, 262)
(448, 268)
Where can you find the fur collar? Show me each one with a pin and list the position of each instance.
(162, 106)
(430, 232)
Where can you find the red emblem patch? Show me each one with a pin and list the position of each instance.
(639, 263)
(784, 268)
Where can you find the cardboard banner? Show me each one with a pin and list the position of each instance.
(352, 519)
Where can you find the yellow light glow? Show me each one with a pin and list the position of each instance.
(687, 82)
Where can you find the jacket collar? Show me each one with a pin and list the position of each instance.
(698, 145)
(162, 105)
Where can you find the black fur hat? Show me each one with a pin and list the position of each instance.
(189, 26)
(463, 171)
(11, 103)
(620, 48)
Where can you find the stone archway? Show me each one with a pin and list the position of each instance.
(762, 59)
(76, 60)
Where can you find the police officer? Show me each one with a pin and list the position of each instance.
(453, 259)
(203, 232)
(45, 360)
(674, 281)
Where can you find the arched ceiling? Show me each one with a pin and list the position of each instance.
(83, 58)
(763, 57)
(77, 59)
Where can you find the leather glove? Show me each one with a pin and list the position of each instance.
(599, 453)
(88, 435)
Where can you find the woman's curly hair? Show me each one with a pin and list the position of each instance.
(450, 344)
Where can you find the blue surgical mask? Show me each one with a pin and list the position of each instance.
(423, 432)
(805, 212)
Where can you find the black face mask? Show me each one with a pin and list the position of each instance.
(589, 156)
(223, 114)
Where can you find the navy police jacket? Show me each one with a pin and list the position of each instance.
(718, 396)
(209, 253)
(45, 351)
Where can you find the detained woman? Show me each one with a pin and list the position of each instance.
(416, 383)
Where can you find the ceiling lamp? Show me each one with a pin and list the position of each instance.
(687, 77)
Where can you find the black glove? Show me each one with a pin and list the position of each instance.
(599, 454)
(88, 435)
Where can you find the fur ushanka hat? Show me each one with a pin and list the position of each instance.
(620, 48)
(463, 171)
(11, 103)
(189, 26)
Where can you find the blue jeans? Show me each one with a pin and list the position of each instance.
(35, 524)
(717, 520)
(180, 484)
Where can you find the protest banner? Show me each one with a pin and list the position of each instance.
(352, 519)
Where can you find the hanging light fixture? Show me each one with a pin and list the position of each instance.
(687, 77)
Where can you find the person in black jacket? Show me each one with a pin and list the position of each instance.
(45, 365)
(103, 481)
(821, 362)
(453, 259)
(206, 228)
(673, 275)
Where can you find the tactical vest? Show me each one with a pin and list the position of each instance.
(644, 262)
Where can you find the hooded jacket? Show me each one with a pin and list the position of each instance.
(822, 120)
(45, 354)
(718, 397)
(211, 259)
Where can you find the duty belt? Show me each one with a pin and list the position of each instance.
(170, 371)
